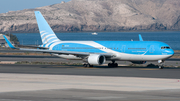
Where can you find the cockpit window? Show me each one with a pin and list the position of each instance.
(165, 47)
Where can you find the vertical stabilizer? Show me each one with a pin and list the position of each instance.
(140, 37)
(47, 34)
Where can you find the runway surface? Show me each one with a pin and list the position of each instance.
(121, 71)
(172, 62)
(76, 83)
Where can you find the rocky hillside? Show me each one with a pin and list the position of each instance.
(98, 15)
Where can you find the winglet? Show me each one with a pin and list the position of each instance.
(140, 37)
(9, 43)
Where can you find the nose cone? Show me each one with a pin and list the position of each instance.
(169, 52)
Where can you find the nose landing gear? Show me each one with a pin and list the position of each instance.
(161, 63)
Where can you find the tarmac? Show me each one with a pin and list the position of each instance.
(172, 62)
(20, 82)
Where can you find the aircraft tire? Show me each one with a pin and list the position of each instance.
(115, 65)
(85, 65)
(112, 65)
(109, 64)
(161, 67)
(90, 65)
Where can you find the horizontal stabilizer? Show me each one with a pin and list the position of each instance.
(9, 43)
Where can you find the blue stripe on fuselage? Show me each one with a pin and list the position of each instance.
(135, 47)
(128, 47)
(77, 48)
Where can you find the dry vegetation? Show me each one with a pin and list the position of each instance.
(47, 54)
(27, 53)
(48, 63)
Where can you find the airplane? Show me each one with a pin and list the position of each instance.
(98, 52)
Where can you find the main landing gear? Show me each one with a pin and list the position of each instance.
(87, 65)
(113, 64)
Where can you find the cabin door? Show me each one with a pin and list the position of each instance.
(123, 48)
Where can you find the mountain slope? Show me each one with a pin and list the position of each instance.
(98, 15)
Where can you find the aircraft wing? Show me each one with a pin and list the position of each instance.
(63, 52)
(28, 46)
(44, 50)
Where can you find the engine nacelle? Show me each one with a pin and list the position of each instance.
(96, 59)
(138, 62)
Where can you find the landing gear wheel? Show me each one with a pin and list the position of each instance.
(116, 65)
(109, 64)
(161, 67)
(91, 66)
(161, 63)
(87, 65)
(113, 64)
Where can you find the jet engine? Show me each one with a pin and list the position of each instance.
(138, 62)
(96, 59)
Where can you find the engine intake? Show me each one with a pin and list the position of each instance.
(96, 59)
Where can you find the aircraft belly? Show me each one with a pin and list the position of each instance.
(130, 57)
(156, 57)
(70, 57)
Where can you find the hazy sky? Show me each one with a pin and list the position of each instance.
(14, 5)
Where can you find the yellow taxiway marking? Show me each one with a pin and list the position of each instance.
(77, 67)
(149, 69)
(86, 67)
(61, 66)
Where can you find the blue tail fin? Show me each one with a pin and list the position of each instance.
(47, 34)
(140, 37)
